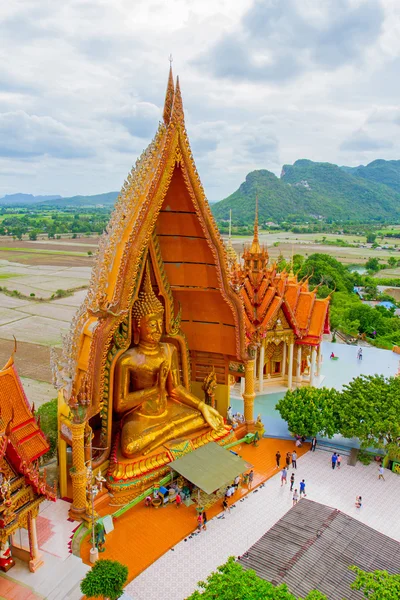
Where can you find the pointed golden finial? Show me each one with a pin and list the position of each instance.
(177, 108)
(255, 246)
(169, 96)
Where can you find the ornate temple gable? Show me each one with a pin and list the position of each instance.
(162, 194)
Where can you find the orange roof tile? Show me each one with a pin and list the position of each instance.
(318, 316)
(304, 309)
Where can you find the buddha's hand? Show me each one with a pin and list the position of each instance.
(162, 375)
(212, 416)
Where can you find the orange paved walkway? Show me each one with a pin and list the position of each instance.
(143, 534)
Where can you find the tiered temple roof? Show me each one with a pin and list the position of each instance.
(265, 291)
(21, 443)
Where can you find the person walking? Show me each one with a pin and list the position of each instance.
(250, 479)
(334, 460)
(225, 506)
(237, 481)
(278, 459)
(204, 527)
(358, 503)
(284, 476)
(178, 500)
(291, 482)
(200, 521)
(288, 459)
(294, 460)
(338, 461)
(295, 497)
(381, 471)
(303, 488)
(313, 444)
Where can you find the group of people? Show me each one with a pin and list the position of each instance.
(247, 479)
(336, 460)
(202, 521)
(291, 457)
(234, 419)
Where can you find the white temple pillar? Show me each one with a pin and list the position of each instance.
(242, 385)
(312, 368)
(290, 373)
(261, 369)
(298, 364)
(284, 359)
(319, 360)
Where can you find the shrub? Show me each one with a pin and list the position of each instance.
(107, 578)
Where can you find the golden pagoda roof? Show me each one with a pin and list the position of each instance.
(161, 214)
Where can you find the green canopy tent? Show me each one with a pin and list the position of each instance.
(210, 467)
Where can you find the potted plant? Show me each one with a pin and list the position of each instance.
(105, 580)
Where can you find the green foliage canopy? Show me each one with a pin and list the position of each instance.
(309, 411)
(48, 424)
(106, 578)
(231, 582)
(369, 409)
(378, 585)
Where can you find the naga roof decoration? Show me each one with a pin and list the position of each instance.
(265, 291)
(21, 440)
(162, 210)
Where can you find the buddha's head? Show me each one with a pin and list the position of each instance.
(147, 314)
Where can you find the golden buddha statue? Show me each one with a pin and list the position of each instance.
(155, 406)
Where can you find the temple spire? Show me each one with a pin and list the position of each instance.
(169, 96)
(255, 246)
(177, 108)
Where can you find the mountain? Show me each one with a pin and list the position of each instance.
(24, 199)
(74, 201)
(108, 199)
(309, 188)
(380, 171)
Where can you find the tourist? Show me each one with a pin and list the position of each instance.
(338, 461)
(147, 501)
(358, 502)
(298, 442)
(250, 479)
(237, 481)
(303, 488)
(288, 459)
(200, 521)
(291, 482)
(295, 497)
(359, 354)
(178, 500)
(283, 476)
(313, 444)
(332, 355)
(204, 521)
(334, 460)
(278, 459)
(380, 471)
(225, 506)
(294, 459)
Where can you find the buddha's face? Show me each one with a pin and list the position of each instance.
(150, 328)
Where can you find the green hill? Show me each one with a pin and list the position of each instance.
(379, 171)
(309, 189)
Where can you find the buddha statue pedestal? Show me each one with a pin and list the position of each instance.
(128, 478)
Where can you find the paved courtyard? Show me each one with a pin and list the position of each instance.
(177, 572)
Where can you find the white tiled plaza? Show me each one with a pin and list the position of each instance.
(178, 571)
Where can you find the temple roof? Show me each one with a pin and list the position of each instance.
(161, 216)
(22, 441)
(265, 291)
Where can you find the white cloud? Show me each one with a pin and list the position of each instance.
(82, 84)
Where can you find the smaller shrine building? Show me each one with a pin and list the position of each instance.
(285, 320)
(22, 487)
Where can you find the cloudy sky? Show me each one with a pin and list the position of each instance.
(264, 82)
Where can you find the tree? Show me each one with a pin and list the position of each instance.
(48, 424)
(33, 235)
(371, 237)
(231, 582)
(310, 411)
(372, 265)
(369, 409)
(392, 262)
(106, 578)
(378, 585)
